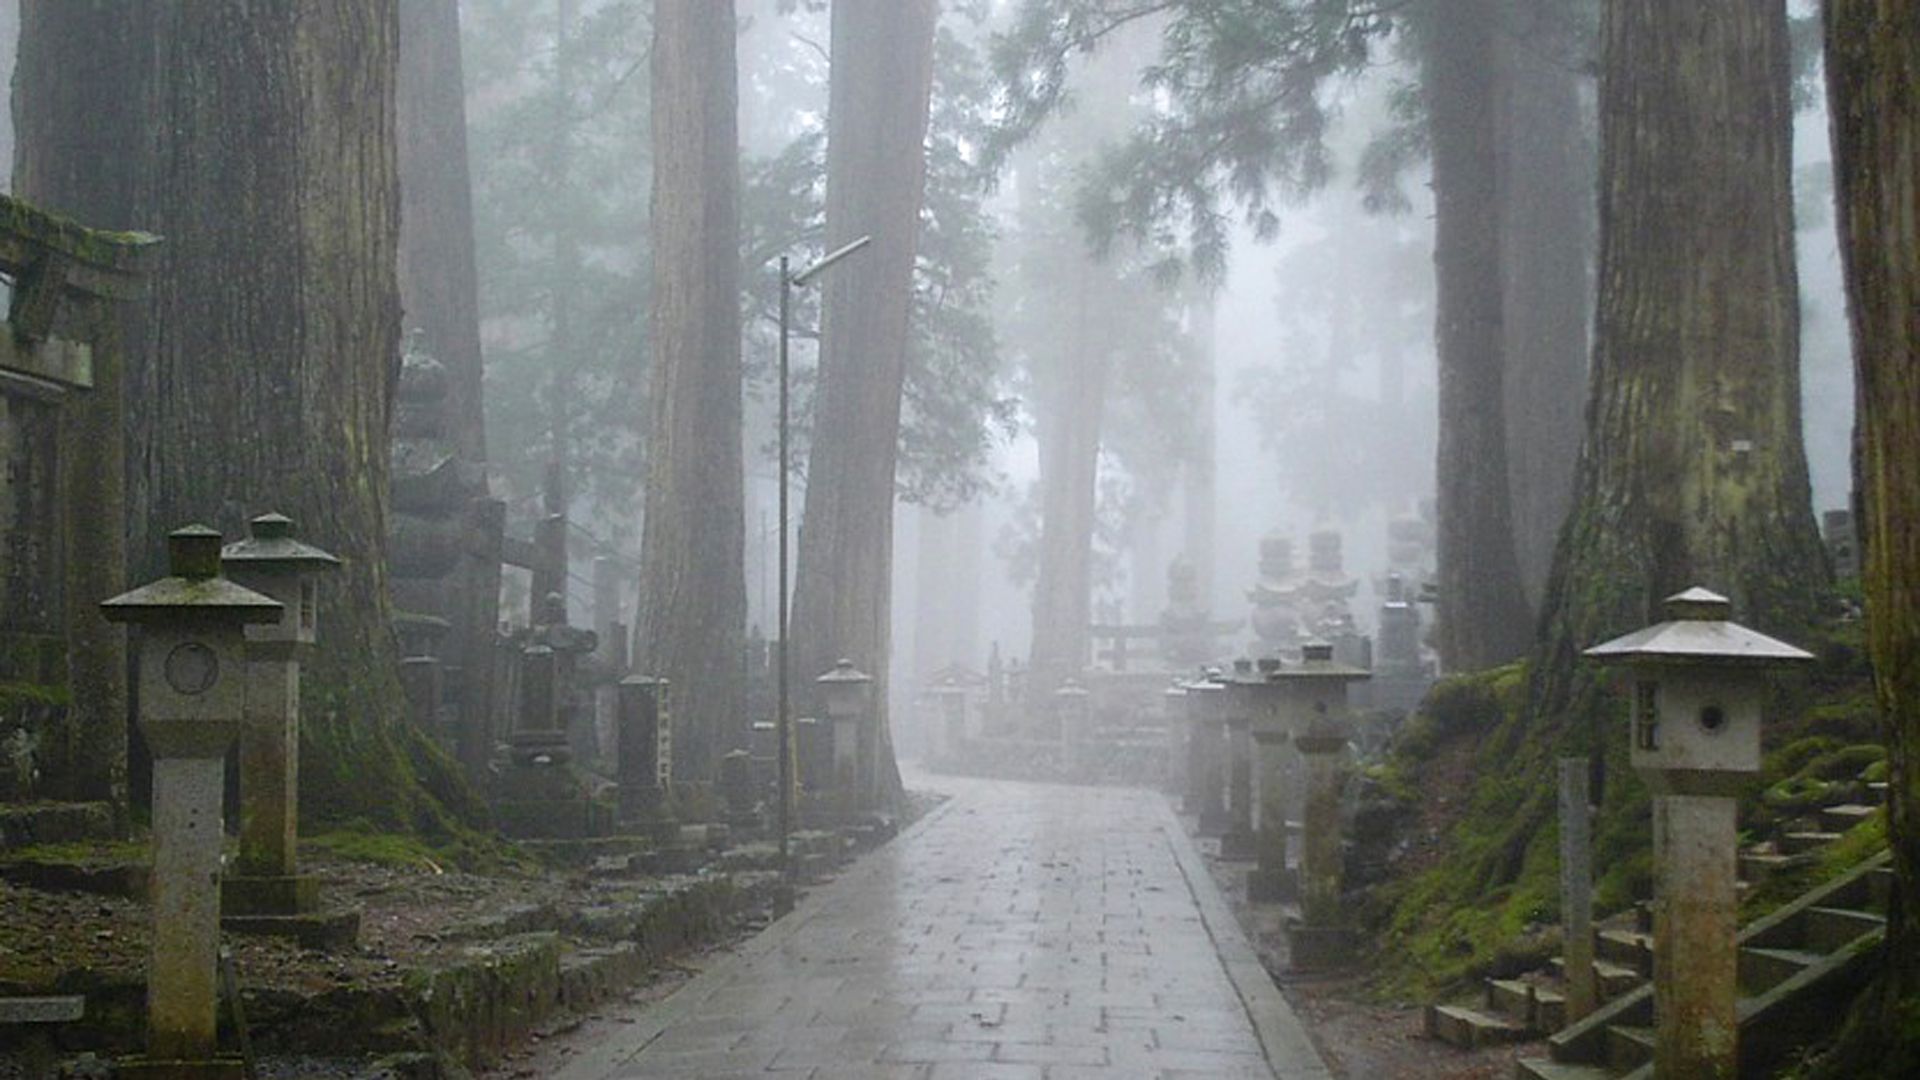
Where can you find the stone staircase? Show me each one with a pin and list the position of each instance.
(1534, 1004)
(1795, 965)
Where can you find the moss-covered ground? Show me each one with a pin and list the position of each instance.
(1479, 894)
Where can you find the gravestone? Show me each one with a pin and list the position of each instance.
(849, 700)
(645, 751)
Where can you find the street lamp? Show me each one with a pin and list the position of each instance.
(783, 721)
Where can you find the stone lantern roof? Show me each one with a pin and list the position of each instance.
(1698, 631)
(844, 672)
(194, 588)
(1317, 662)
(270, 546)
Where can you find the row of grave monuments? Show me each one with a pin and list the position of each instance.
(1005, 720)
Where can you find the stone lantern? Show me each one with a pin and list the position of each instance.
(270, 561)
(952, 700)
(1072, 705)
(1316, 718)
(192, 679)
(1698, 684)
(849, 701)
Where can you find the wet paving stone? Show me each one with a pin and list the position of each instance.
(1020, 931)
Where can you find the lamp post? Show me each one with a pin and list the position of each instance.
(783, 722)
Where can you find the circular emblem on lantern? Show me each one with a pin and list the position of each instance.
(192, 668)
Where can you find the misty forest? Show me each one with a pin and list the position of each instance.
(1025, 539)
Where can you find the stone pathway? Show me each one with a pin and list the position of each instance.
(1018, 932)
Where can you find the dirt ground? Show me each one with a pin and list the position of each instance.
(1357, 1037)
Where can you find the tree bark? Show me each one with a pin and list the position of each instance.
(882, 62)
(1072, 392)
(1693, 470)
(1546, 239)
(1874, 103)
(259, 142)
(439, 285)
(689, 626)
(1483, 618)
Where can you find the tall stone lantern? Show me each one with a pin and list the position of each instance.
(849, 700)
(192, 681)
(1316, 717)
(1698, 684)
(270, 561)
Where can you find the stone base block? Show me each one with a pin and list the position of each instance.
(1318, 948)
(1273, 886)
(552, 819)
(279, 895)
(1237, 845)
(324, 931)
(25, 824)
(141, 1068)
(1214, 823)
(659, 831)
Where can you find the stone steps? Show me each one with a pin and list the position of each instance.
(1629, 1047)
(1845, 816)
(1804, 953)
(1627, 948)
(1470, 1028)
(1795, 843)
(1610, 980)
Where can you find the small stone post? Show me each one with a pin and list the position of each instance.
(1236, 843)
(1576, 888)
(1272, 880)
(1699, 681)
(849, 693)
(1071, 705)
(737, 790)
(645, 750)
(1208, 715)
(193, 695)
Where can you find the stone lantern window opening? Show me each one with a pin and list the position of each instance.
(309, 603)
(1713, 719)
(1646, 715)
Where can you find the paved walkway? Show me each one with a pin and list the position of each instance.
(1019, 932)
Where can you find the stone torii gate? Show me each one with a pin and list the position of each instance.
(62, 509)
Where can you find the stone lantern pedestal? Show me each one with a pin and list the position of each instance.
(1237, 841)
(1698, 684)
(192, 692)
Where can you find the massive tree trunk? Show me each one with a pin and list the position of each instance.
(1693, 471)
(261, 370)
(1483, 609)
(693, 594)
(1197, 482)
(882, 80)
(1546, 239)
(1874, 101)
(439, 287)
(1071, 399)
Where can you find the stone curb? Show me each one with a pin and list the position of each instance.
(1290, 1052)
